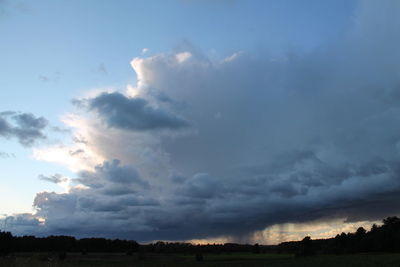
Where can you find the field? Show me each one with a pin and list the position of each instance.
(234, 260)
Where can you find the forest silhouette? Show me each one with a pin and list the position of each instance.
(383, 238)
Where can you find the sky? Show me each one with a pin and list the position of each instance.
(198, 120)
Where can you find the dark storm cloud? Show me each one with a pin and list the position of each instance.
(24, 219)
(112, 172)
(114, 196)
(201, 185)
(300, 138)
(117, 204)
(133, 113)
(23, 126)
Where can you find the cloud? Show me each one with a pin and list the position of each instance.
(24, 126)
(133, 113)
(110, 197)
(301, 138)
(60, 130)
(111, 172)
(8, 8)
(4, 7)
(43, 78)
(201, 185)
(102, 69)
(6, 155)
(56, 178)
(54, 77)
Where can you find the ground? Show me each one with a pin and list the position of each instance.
(234, 260)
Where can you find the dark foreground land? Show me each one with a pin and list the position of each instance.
(209, 260)
(378, 247)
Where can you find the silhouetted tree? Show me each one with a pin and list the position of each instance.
(7, 243)
(306, 247)
(256, 249)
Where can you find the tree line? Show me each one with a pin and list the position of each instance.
(10, 244)
(384, 238)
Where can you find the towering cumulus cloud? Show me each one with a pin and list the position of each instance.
(201, 149)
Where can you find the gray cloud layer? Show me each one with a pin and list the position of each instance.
(303, 137)
(24, 126)
(133, 113)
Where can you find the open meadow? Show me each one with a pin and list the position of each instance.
(209, 260)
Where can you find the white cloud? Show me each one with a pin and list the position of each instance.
(233, 57)
(182, 57)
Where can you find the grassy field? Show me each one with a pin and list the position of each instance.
(235, 260)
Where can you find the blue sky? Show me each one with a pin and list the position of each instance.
(67, 42)
(256, 84)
